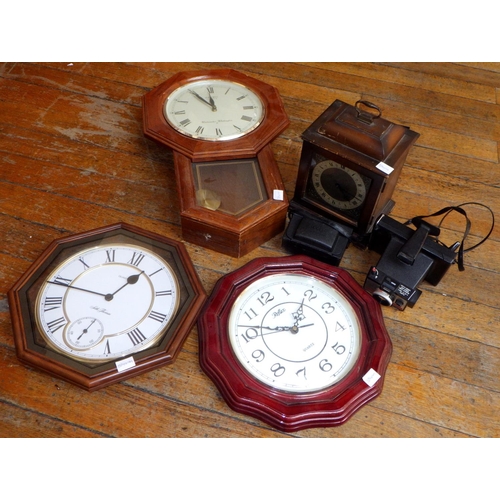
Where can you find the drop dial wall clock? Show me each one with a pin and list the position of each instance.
(350, 162)
(294, 342)
(220, 124)
(102, 306)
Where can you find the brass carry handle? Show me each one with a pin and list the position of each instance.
(364, 116)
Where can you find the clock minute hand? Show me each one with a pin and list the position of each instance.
(198, 96)
(275, 329)
(78, 288)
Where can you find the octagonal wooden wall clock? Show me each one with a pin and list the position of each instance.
(105, 305)
(294, 342)
(220, 124)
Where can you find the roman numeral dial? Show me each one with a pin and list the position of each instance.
(214, 110)
(107, 302)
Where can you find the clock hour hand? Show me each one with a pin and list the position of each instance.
(212, 102)
(198, 96)
(347, 195)
(299, 315)
(131, 280)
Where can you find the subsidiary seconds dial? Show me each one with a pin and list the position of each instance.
(107, 302)
(294, 332)
(214, 110)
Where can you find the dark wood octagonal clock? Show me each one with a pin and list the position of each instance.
(102, 306)
(350, 162)
(220, 124)
(294, 342)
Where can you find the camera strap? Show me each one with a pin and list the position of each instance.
(417, 221)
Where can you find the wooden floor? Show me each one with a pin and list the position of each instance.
(73, 157)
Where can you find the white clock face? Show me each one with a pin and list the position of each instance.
(338, 185)
(214, 110)
(294, 332)
(107, 302)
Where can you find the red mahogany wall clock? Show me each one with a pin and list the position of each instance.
(294, 342)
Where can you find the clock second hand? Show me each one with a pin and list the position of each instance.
(85, 330)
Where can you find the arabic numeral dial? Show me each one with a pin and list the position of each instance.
(294, 332)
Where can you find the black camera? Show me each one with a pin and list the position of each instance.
(408, 257)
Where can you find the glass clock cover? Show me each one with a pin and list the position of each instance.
(232, 187)
(214, 110)
(294, 332)
(333, 185)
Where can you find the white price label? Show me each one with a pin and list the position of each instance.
(123, 365)
(278, 194)
(371, 377)
(387, 169)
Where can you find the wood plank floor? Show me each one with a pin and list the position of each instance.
(73, 157)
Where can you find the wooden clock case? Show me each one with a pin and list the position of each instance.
(34, 351)
(364, 142)
(234, 235)
(226, 233)
(286, 411)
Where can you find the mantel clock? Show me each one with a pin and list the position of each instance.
(220, 124)
(350, 162)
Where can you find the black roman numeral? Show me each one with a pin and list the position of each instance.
(136, 259)
(157, 316)
(85, 265)
(59, 280)
(52, 303)
(136, 336)
(55, 324)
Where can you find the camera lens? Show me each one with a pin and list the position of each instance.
(383, 297)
